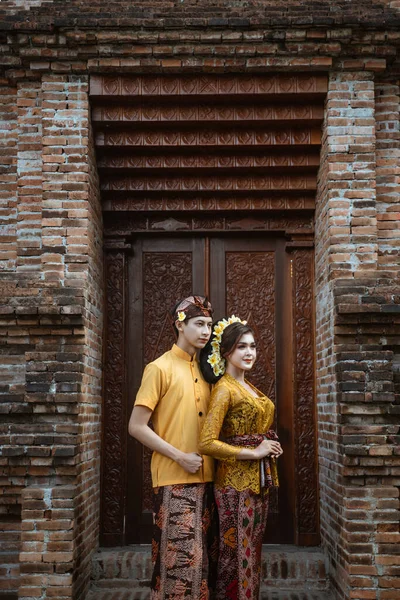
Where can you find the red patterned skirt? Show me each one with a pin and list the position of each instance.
(242, 522)
(185, 542)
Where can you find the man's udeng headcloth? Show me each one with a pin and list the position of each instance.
(193, 306)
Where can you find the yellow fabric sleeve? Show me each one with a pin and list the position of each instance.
(209, 442)
(151, 387)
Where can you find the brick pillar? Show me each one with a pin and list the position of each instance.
(48, 548)
(8, 180)
(357, 343)
(346, 254)
(388, 175)
(387, 451)
(29, 190)
(51, 309)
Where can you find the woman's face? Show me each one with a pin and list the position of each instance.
(244, 354)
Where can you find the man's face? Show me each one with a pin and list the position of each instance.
(195, 331)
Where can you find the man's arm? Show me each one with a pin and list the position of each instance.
(138, 428)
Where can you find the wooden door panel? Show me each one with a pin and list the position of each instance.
(161, 272)
(260, 280)
(249, 278)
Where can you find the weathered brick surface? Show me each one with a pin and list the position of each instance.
(51, 263)
(357, 341)
(50, 334)
(160, 14)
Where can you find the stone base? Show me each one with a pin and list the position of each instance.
(288, 573)
(265, 595)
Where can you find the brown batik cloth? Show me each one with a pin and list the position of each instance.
(185, 542)
(242, 522)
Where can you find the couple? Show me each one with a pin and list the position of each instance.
(191, 560)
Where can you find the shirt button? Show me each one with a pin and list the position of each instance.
(200, 414)
(196, 380)
(198, 399)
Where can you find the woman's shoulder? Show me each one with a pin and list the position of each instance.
(223, 382)
(223, 386)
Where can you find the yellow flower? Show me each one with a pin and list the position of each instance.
(215, 345)
(220, 327)
(181, 316)
(213, 360)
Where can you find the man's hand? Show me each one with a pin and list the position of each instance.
(190, 461)
(139, 429)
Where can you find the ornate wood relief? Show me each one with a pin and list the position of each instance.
(250, 292)
(214, 85)
(210, 183)
(206, 113)
(304, 402)
(125, 225)
(210, 138)
(193, 155)
(207, 135)
(167, 277)
(214, 203)
(183, 161)
(114, 406)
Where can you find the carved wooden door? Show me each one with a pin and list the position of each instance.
(161, 271)
(251, 278)
(258, 279)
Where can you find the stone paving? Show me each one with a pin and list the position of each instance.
(288, 573)
(118, 594)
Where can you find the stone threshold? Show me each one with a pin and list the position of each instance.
(288, 573)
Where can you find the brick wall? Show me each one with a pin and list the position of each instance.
(51, 327)
(51, 264)
(356, 342)
(88, 500)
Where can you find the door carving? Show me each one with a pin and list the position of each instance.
(208, 184)
(259, 279)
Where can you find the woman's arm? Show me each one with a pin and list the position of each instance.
(138, 428)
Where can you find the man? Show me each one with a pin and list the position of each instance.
(175, 396)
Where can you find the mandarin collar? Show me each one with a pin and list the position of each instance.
(182, 354)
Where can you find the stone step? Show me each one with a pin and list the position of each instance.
(290, 564)
(288, 573)
(137, 594)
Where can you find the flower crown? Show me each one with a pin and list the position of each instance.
(215, 359)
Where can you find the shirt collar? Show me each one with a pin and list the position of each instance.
(182, 354)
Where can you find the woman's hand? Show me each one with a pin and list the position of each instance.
(190, 461)
(268, 448)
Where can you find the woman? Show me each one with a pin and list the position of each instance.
(241, 415)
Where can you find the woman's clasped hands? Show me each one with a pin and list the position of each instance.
(268, 448)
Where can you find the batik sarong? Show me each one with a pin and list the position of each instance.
(242, 522)
(185, 542)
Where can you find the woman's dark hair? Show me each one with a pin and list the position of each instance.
(230, 339)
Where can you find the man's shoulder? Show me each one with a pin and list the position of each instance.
(163, 361)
